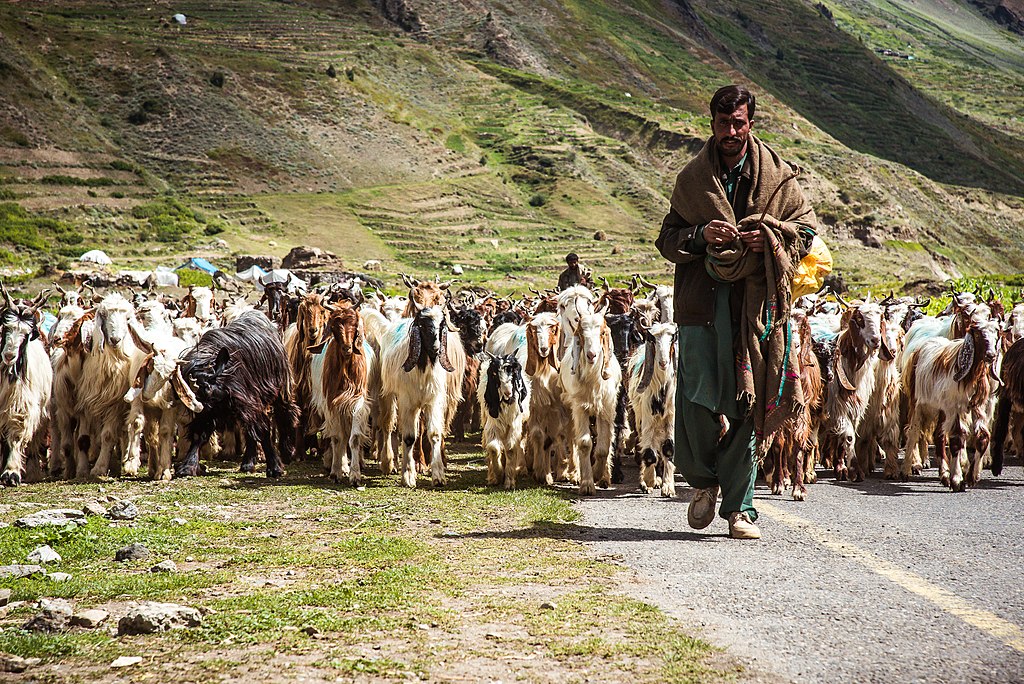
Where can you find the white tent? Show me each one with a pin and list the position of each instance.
(96, 256)
(252, 275)
(166, 277)
(283, 275)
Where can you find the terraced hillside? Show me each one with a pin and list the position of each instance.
(499, 136)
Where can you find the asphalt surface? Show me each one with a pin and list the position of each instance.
(871, 582)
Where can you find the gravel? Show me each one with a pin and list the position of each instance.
(794, 608)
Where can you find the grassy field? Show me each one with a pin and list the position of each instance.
(301, 578)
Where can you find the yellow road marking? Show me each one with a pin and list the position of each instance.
(1010, 634)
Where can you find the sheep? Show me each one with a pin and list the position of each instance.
(504, 398)
(1010, 406)
(108, 370)
(238, 375)
(422, 365)
(949, 381)
(852, 382)
(26, 386)
(651, 379)
(590, 386)
(340, 370)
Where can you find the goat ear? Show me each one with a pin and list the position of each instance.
(357, 340)
(884, 352)
(317, 348)
(185, 393)
(99, 336)
(965, 359)
(415, 345)
(841, 374)
(532, 354)
(139, 341)
(223, 359)
(606, 352)
(442, 356)
(647, 373)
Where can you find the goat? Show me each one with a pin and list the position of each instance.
(851, 383)
(651, 376)
(307, 330)
(504, 398)
(589, 390)
(1011, 401)
(792, 451)
(947, 380)
(661, 297)
(339, 379)
(627, 336)
(472, 331)
(26, 386)
(238, 375)
(198, 304)
(108, 371)
(66, 357)
(618, 299)
(422, 365)
(880, 428)
(573, 302)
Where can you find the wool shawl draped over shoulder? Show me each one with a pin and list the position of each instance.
(766, 365)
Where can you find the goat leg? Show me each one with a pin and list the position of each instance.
(190, 466)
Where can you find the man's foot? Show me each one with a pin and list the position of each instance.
(742, 527)
(701, 510)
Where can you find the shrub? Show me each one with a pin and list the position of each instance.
(189, 276)
(17, 227)
(538, 200)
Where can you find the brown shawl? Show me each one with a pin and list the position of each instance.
(766, 365)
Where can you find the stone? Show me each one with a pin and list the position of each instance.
(94, 508)
(15, 571)
(54, 616)
(44, 554)
(5, 597)
(132, 552)
(600, 236)
(548, 605)
(13, 663)
(90, 619)
(152, 617)
(617, 249)
(126, 661)
(179, 521)
(123, 510)
(57, 517)
(457, 270)
(164, 566)
(58, 577)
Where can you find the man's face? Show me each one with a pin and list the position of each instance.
(731, 131)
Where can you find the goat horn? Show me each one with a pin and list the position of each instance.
(840, 299)
(604, 284)
(185, 393)
(644, 281)
(7, 295)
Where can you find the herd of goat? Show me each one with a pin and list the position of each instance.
(562, 385)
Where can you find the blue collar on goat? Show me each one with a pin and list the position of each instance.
(428, 339)
(504, 383)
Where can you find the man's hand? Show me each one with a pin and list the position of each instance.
(753, 239)
(720, 233)
(751, 231)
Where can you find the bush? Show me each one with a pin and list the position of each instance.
(7, 194)
(189, 276)
(538, 200)
(17, 227)
(60, 179)
(214, 228)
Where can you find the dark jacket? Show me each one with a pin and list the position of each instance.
(694, 289)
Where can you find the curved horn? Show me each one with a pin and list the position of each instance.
(604, 284)
(185, 393)
(840, 299)
(7, 295)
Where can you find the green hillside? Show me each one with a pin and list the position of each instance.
(498, 136)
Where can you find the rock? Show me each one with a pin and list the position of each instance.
(15, 571)
(126, 661)
(153, 617)
(44, 554)
(94, 508)
(54, 616)
(58, 577)
(55, 517)
(457, 270)
(13, 663)
(267, 263)
(132, 552)
(548, 605)
(164, 566)
(617, 249)
(90, 619)
(179, 521)
(600, 236)
(311, 631)
(310, 257)
(123, 510)
(5, 597)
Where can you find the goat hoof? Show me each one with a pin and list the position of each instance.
(10, 479)
(275, 473)
(798, 495)
(247, 468)
(959, 486)
(440, 483)
(944, 479)
(617, 476)
(916, 470)
(588, 489)
(186, 471)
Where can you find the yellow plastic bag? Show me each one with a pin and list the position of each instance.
(810, 274)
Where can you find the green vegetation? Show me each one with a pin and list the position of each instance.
(73, 180)
(21, 229)
(191, 276)
(313, 568)
(168, 220)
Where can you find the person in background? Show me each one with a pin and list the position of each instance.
(574, 274)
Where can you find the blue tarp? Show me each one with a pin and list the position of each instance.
(199, 264)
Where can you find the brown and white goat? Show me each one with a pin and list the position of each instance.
(308, 330)
(949, 381)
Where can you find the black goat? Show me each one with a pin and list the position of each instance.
(510, 316)
(473, 332)
(1011, 398)
(626, 337)
(236, 376)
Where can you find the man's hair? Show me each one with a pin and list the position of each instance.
(571, 257)
(728, 99)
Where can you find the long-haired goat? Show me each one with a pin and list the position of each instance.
(880, 428)
(238, 375)
(25, 387)
(504, 397)
(1011, 401)
(949, 381)
(307, 330)
(473, 333)
(339, 377)
(627, 336)
(66, 357)
(852, 383)
(590, 387)
(651, 373)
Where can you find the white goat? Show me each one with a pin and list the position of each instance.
(652, 390)
(590, 391)
(573, 302)
(25, 387)
(67, 373)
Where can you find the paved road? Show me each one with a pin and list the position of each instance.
(873, 582)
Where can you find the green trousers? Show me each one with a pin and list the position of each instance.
(705, 461)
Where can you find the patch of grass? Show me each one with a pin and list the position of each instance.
(19, 228)
(455, 143)
(62, 179)
(192, 276)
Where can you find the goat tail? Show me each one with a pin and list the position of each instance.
(999, 429)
